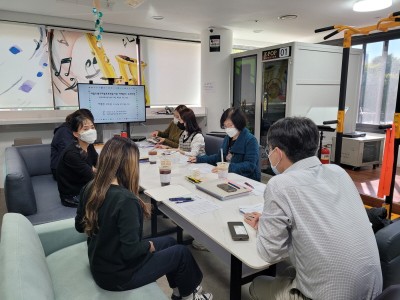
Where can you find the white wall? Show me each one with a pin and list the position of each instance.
(215, 76)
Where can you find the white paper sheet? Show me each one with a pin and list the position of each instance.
(251, 208)
(258, 187)
(199, 206)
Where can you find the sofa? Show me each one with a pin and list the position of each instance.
(29, 186)
(388, 241)
(50, 261)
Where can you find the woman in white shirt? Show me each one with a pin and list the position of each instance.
(191, 141)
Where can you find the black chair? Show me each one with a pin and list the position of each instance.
(213, 144)
(391, 293)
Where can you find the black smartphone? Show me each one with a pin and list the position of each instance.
(226, 187)
(238, 231)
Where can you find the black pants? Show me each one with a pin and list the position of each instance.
(174, 261)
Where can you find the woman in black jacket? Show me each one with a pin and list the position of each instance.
(111, 214)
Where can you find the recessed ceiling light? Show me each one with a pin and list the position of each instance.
(257, 30)
(158, 18)
(371, 5)
(134, 3)
(287, 17)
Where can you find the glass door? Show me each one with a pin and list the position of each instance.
(274, 76)
(244, 87)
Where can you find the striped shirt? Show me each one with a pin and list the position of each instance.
(313, 213)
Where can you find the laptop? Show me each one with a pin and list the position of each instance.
(223, 189)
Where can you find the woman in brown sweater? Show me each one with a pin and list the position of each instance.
(170, 136)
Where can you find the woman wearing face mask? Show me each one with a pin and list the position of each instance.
(170, 136)
(77, 163)
(240, 148)
(191, 141)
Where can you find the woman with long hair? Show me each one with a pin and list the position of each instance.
(170, 136)
(191, 141)
(111, 214)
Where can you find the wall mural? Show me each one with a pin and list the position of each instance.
(76, 58)
(33, 78)
(24, 67)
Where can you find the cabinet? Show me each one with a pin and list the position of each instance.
(360, 152)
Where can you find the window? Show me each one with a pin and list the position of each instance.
(379, 83)
(172, 71)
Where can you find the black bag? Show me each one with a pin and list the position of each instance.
(377, 216)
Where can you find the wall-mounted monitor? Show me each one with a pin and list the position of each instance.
(113, 103)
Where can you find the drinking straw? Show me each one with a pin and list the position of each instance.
(222, 156)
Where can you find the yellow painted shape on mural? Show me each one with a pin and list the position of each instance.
(104, 63)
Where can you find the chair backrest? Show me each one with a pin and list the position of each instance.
(391, 293)
(27, 141)
(213, 144)
(37, 158)
(388, 241)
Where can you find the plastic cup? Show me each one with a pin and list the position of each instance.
(223, 168)
(152, 157)
(195, 173)
(165, 172)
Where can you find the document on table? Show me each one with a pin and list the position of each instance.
(199, 206)
(258, 188)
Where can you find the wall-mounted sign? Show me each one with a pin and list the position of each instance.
(277, 53)
(215, 43)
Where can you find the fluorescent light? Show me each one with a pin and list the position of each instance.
(371, 5)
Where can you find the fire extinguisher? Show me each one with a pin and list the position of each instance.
(325, 155)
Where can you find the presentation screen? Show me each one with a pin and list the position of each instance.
(113, 103)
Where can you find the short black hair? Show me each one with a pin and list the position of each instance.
(83, 111)
(236, 115)
(296, 136)
(188, 117)
(78, 121)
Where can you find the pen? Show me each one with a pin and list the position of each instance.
(233, 185)
(248, 184)
(178, 202)
(180, 199)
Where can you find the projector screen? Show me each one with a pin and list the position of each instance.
(113, 103)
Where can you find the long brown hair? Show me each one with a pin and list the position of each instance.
(118, 159)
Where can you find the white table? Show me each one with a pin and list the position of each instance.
(211, 228)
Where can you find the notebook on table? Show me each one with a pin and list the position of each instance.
(223, 189)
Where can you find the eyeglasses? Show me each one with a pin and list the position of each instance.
(228, 126)
(268, 151)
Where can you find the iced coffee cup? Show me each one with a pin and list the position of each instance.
(152, 156)
(223, 168)
(165, 172)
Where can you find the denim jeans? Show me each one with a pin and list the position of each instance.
(174, 261)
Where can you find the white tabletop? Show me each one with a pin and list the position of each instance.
(209, 228)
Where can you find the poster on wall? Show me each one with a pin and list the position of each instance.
(76, 58)
(215, 43)
(24, 67)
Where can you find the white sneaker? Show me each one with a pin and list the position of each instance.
(204, 296)
(197, 245)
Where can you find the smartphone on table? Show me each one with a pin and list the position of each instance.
(238, 231)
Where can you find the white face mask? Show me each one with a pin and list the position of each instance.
(231, 132)
(176, 120)
(88, 136)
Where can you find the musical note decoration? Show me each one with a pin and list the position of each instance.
(66, 60)
(98, 28)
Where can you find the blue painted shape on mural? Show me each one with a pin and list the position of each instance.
(39, 74)
(27, 86)
(45, 65)
(15, 49)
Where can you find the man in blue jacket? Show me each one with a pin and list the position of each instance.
(240, 148)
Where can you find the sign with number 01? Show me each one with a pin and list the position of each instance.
(277, 53)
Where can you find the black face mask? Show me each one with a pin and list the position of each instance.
(181, 126)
